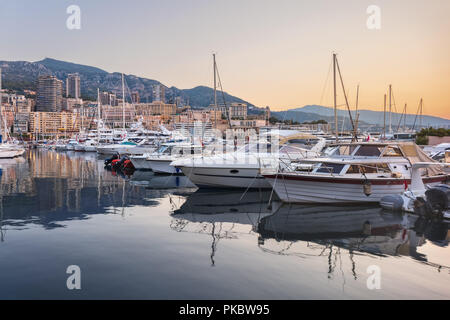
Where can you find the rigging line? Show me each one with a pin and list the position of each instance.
(393, 100)
(223, 96)
(417, 112)
(325, 86)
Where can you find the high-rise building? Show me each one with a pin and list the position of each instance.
(135, 97)
(108, 99)
(159, 93)
(73, 89)
(49, 94)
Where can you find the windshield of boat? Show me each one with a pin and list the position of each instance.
(330, 168)
(163, 149)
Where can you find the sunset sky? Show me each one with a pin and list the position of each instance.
(274, 53)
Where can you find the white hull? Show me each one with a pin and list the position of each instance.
(7, 154)
(163, 166)
(140, 150)
(226, 177)
(302, 191)
(141, 163)
(90, 148)
(113, 149)
(79, 148)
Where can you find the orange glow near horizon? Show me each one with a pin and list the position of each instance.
(270, 53)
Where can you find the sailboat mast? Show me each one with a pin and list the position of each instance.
(404, 119)
(1, 97)
(421, 113)
(384, 118)
(356, 107)
(215, 89)
(123, 102)
(98, 115)
(390, 108)
(335, 99)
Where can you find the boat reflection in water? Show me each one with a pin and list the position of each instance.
(48, 188)
(308, 231)
(221, 214)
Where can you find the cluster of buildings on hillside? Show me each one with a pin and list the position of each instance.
(54, 112)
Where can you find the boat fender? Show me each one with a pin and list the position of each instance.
(367, 188)
(392, 203)
(396, 175)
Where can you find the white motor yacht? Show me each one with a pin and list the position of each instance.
(241, 168)
(353, 172)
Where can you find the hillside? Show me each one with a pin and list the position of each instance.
(21, 75)
(374, 117)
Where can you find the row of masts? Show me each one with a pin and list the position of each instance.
(337, 71)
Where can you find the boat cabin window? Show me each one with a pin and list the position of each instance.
(392, 152)
(368, 151)
(369, 168)
(162, 149)
(330, 168)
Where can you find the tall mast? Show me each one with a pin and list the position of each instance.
(357, 114)
(404, 119)
(421, 113)
(98, 115)
(346, 103)
(3, 132)
(123, 102)
(384, 116)
(335, 99)
(1, 97)
(390, 108)
(82, 114)
(215, 89)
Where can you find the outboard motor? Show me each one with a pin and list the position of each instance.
(439, 197)
(110, 160)
(119, 164)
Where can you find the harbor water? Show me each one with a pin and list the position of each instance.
(146, 236)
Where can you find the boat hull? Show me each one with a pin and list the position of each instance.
(141, 163)
(8, 154)
(90, 148)
(313, 189)
(162, 166)
(214, 177)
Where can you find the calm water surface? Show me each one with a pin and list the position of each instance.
(157, 237)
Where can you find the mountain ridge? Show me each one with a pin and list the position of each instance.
(21, 75)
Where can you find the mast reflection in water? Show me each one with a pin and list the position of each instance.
(148, 236)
